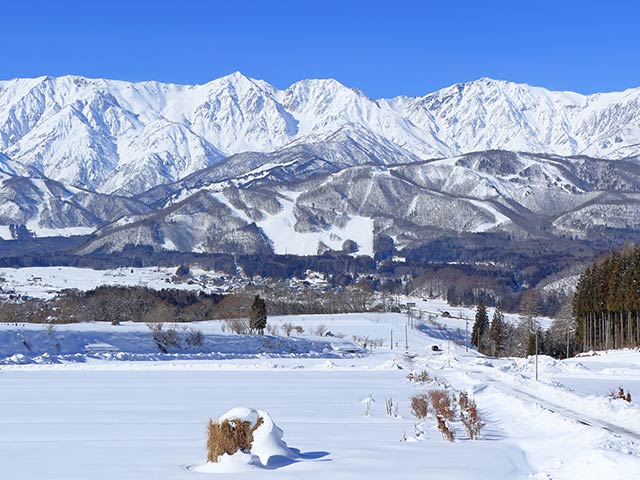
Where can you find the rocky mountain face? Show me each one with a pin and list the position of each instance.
(113, 136)
(237, 165)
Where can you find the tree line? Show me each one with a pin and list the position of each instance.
(116, 304)
(525, 337)
(606, 303)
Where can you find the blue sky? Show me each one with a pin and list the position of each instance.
(396, 47)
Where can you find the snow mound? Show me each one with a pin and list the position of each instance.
(267, 442)
(267, 451)
(326, 365)
(238, 462)
(481, 362)
(18, 359)
(389, 365)
(243, 414)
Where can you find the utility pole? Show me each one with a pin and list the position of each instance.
(567, 336)
(536, 355)
(406, 339)
(410, 305)
(391, 339)
(466, 334)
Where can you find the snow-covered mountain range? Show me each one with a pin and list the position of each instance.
(114, 136)
(238, 165)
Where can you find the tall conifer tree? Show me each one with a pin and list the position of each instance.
(480, 327)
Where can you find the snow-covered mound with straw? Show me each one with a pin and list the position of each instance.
(268, 450)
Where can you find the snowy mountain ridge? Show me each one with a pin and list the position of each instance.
(302, 200)
(115, 136)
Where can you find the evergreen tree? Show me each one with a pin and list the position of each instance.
(480, 327)
(606, 304)
(258, 316)
(497, 333)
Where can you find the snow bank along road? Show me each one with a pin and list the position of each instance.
(555, 408)
(99, 419)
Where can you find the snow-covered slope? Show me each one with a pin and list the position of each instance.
(49, 208)
(303, 203)
(493, 114)
(115, 136)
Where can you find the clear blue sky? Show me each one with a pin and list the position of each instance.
(396, 47)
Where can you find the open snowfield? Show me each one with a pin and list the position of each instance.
(91, 414)
(46, 282)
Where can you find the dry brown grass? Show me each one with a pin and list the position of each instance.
(229, 437)
(470, 416)
(463, 400)
(620, 394)
(442, 403)
(419, 406)
(472, 421)
(447, 431)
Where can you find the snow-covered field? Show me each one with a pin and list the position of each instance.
(46, 282)
(91, 415)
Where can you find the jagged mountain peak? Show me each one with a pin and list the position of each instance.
(239, 82)
(96, 132)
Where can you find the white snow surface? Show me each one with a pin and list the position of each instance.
(102, 417)
(280, 228)
(46, 282)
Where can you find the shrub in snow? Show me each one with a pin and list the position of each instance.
(164, 339)
(419, 405)
(469, 415)
(229, 436)
(363, 341)
(445, 429)
(444, 407)
(287, 328)
(195, 338)
(299, 329)
(620, 394)
(419, 377)
(247, 436)
(273, 330)
(320, 330)
(463, 400)
(442, 403)
(239, 326)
